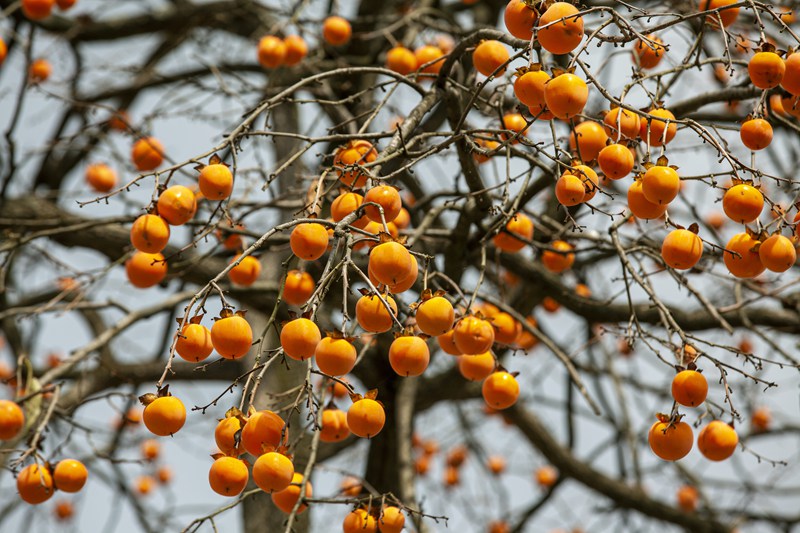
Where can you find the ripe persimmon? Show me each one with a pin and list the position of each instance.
(101, 177)
(296, 50)
(119, 121)
(70, 475)
(273, 472)
(587, 140)
(526, 339)
(35, 484)
(681, 249)
(3, 51)
(271, 51)
(529, 89)
(39, 70)
(422, 465)
(616, 161)
(506, 329)
(391, 520)
(407, 283)
(299, 338)
(225, 436)
(366, 418)
(473, 335)
(546, 476)
(164, 474)
(246, 272)
(689, 388)
(345, 204)
(745, 262)
(359, 521)
(230, 240)
(388, 198)
(447, 343)
(791, 76)
(391, 263)
(766, 69)
(660, 184)
(177, 205)
(570, 189)
(372, 315)
(12, 419)
(790, 105)
(649, 54)
(215, 181)
(479, 158)
(374, 229)
(566, 96)
(743, 203)
(151, 449)
(520, 18)
(150, 234)
(231, 335)
(263, 431)
(64, 510)
(670, 442)
(164, 416)
(760, 420)
(145, 485)
(333, 425)
(401, 60)
(620, 124)
(777, 253)
(431, 56)
(560, 258)
(145, 270)
(726, 15)
(756, 133)
(517, 124)
(476, 367)
(37, 9)
(309, 241)
(336, 31)
(147, 154)
(435, 316)
(489, 56)
(409, 356)
(660, 133)
(228, 476)
(286, 499)
(348, 161)
(298, 288)
(717, 441)
(496, 464)
(500, 390)
(335, 356)
(687, 498)
(560, 28)
(518, 230)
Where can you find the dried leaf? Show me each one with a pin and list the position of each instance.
(147, 399)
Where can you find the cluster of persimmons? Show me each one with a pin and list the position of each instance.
(369, 215)
(36, 482)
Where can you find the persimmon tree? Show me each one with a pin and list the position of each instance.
(503, 266)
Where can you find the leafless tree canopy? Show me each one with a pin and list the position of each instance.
(594, 344)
